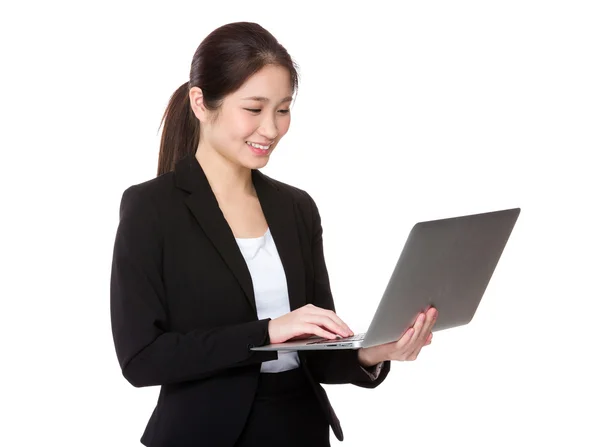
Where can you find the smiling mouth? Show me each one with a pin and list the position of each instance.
(259, 146)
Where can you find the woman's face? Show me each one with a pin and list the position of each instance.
(250, 121)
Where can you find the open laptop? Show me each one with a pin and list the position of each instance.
(445, 263)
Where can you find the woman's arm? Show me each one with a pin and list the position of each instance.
(148, 353)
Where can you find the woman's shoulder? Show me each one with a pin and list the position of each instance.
(154, 190)
(304, 203)
(155, 185)
(299, 195)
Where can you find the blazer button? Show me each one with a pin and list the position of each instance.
(250, 345)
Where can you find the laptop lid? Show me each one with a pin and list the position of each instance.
(445, 263)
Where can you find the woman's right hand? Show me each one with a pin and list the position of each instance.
(307, 321)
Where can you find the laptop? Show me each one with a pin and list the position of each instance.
(446, 264)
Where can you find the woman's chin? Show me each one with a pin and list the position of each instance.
(256, 162)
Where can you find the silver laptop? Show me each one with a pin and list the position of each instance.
(445, 263)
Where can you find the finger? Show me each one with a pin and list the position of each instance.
(413, 355)
(419, 345)
(416, 350)
(405, 339)
(429, 328)
(418, 327)
(430, 317)
(333, 316)
(404, 346)
(426, 322)
(318, 331)
(300, 337)
(327, 323)
(410, 334)
(339, 321)
(412, 345)
(397, 348)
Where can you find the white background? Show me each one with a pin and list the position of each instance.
(429, 110)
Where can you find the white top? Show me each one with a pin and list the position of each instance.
(270, 290)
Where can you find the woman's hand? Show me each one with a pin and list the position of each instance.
(306, 321)
(407, 348)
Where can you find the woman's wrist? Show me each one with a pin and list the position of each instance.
(366, 359)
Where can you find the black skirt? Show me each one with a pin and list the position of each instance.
(286, 413)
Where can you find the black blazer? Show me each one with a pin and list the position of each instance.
(183, 310)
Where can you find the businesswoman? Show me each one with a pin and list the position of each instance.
(212, 257)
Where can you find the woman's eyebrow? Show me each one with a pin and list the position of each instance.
(263, 99)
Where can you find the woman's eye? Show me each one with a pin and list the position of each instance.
(284, 111)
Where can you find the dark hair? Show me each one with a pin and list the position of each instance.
(225, 59)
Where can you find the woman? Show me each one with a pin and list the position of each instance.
(213, 257)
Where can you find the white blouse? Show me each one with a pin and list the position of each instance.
(270, 290)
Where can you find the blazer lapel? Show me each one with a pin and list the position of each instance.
(205, 208)
(279, 213)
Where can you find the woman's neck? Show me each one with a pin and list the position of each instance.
(226, 179)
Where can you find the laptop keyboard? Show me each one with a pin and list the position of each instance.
(356, 337)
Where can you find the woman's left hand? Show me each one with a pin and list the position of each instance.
(407, 348)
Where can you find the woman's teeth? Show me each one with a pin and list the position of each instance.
(258, 146)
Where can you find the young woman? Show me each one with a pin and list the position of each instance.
(212, 257)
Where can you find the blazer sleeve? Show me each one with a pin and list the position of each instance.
(147, 351)
(341, 366)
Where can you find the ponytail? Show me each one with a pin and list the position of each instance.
(181, 131)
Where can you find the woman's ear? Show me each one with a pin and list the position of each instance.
(197, 104)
